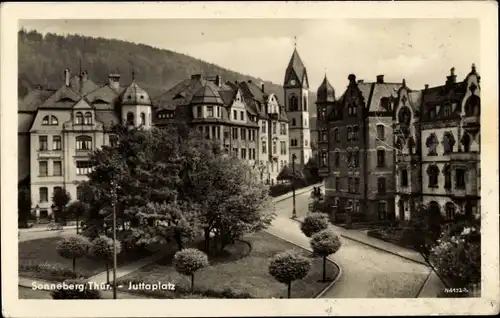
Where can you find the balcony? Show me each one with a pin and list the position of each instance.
(465, 156)
(83, 152)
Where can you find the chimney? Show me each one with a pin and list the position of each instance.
(361, 81)
(262, 87)
(67, 75)
(426, 86)
(114, 80)
(196, 76)
(352, 78)
(452, 78)
(380, 79)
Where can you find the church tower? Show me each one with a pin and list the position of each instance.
(296, 89)
(136, 106)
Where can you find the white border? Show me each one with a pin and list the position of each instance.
(484, 11)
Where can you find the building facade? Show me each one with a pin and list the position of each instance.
(360, 183)
(58, 129)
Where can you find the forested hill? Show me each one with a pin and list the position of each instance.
(43, 58)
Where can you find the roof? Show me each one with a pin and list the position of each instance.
(325, 92)
(34, 98)
(208, 93)
(108, 118)
(135, 95)
(381, 90)
(297, 66)
(63, 98)
(104, 97)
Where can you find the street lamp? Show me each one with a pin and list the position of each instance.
(294, 213)
(113, 203)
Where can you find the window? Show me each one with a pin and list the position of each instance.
(242, 116)
(294, 122)
(210, 111)
(264, 126)
(355, 133)
(43, 143)
(305, 122)
(404, 178)
(243, 134)
(235, 152)
(199, 112)
(44, 194)
(43, 168)
(448, 142)
(130, 119)
(235, 133)
(214, 132)
(83, 168)
(321, 113)
(356, 158)
(337, 184)
(381, 185)
(324, 136)
(336, 134)
(113, 140)
(45, 120)
(79, 193)
(382, 210)
(293, 143)
(349, 133)
(79, 118)
(57, 168)
(431, 144)
(274, 147)
(324, 159)
(235, 114)
(433, 173)
(404, 115)
(56, 142)
(274, 127)
(447, 177)
(53, 120)
(466, 142)
(306, 143)
(460, 178)
(207, 132)
(432, 113)
(356, 185)
(450, 211)
(243, 153)
(351, 108)
(264, 147)
(447, 110)
(380, 132)
(218, 132)
(337, 159)
(282, 129)
(88, 118)
(305, 103)
(294, 103)
(83, 143)
(349, 157)
(143, 119)
(350, 185)
(473, 106)
(380, 158)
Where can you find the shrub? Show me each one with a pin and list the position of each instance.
(51, 271)
(73, 247)
(188, 261)
(76, 289)
(325, 243)
(314, 223)
(101, 248)
(279, 189)
(289, 266)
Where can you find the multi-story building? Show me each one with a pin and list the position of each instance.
(450, 146)
(249, 123)
(296, 89)
(59, 128)
(360, 181)
(325, 100)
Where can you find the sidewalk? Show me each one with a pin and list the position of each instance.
(106, 294)
(297, 192)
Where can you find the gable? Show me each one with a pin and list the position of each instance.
(82, 104)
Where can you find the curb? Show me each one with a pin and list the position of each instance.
(423, 285)
(297, 192)
(325, 289)
(42, 229)
(379, 248)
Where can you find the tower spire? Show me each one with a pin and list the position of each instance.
(133, 75)
(295, 42)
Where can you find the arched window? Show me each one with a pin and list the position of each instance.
(130, 119)
(355, 133)
(79, 118)
(143, 119)
(294, 122)
(53, 120)
(446, 110)
(324, 159)
(305, 103)
(83, 143)
(336, 134)
(447, 176)
(337, 158)
(450, 211)
(431, 144)
(404, 115)
(466, 141)
(448, 142)
(349, 157)
(294, 103)
(381, 185)
(349, 133)
(351, 108)
(356, 158)
(473, 106)
(380, 132)
(45, 120)
(88, 118)
(380, 158)
(433, 173)
(411, 145)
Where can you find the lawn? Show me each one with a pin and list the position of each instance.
(43, 252)
(241, 270)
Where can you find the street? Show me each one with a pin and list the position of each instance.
(366, 272)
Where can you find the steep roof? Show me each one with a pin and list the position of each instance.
(135, 95)
(208, 93)
(82, 85)
(298, 68)
(325, 92)
(34, 98)
(63, 98)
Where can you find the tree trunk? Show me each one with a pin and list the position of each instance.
(77, 224)
(324, 268)
(178, 239)
(289, 289)
(207, 240)
(107, 272)
(192, 283)
(74, 264)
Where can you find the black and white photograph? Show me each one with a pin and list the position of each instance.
(250, 156)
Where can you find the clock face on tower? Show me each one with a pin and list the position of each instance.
(292, 82)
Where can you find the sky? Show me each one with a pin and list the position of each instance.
(420, 50)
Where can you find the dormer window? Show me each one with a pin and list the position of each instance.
(88, 118)
(79, 118)
(352, 109)
(45, 120)
(53, 120)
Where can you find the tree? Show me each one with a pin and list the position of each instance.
(314, 223)
(60, 199)
(289, 266)
(77, 209)
(23, 205)
(101, 248)
(81, 289)
(188, 261)
(73, 247)
(325, 243)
